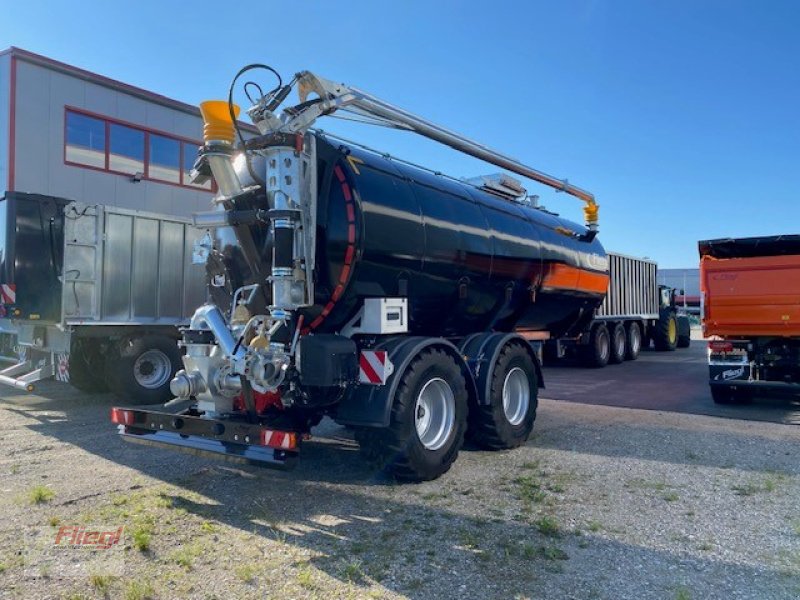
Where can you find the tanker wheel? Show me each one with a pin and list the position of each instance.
(597, 352)
(634, 341)
(665, 332)
(86, 368)
(428, 420)
(507, 420)
(618, 344)
(141, 369)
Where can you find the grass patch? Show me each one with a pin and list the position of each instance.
(246, 573)
(552, 553)
(141, 535)
(594, 526)
(352, 572)
(138, 590)
(683, 593)
(747, 489)
(101, 583)
(548, 526)
(469, 539)
(529, 489)
(41, 494)
(186, 556)
(305, 577)
(208, 527)
(671, 496)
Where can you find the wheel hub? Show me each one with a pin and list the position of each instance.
(434, 413)
(516, 396)
(152, 369)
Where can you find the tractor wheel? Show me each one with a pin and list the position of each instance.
(684, 332)
(428, 420)
(665, 332)
(507, 420)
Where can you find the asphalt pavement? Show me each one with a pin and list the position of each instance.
(666, 381)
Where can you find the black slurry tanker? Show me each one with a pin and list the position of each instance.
(345, 283)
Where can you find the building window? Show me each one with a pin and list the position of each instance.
(86, 140)
(165, 159)
(127, 149)
(109, 145)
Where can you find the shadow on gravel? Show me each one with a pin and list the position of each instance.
(395, 537)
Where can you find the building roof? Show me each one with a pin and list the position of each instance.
(50, 63)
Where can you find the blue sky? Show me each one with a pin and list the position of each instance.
(682, 117)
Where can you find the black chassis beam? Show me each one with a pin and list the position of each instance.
(230, 440)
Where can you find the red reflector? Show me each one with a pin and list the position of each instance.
(121, 417)
(278, 439)
(720, 346)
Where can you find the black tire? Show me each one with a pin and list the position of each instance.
(489, 426)
(597, 352)
(684, 332)
(86, 368)
(398, 448)
(633, 341)
(131, 367)
(727, 395)
(665, 332)
(618, 344)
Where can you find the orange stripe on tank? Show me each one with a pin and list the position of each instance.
(566, 277)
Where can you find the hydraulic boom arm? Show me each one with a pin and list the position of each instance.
(335, 96)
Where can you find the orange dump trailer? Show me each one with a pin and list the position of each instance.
(751, 303)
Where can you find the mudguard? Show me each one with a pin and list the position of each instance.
(481, 351)
(371, 405)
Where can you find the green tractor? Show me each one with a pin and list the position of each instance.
(672, 330)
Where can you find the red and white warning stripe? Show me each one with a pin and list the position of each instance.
(278, 439)
(8, 293)
(374, 367)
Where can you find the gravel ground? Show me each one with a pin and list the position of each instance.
(601, 503)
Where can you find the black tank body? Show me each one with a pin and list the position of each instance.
(467, 260)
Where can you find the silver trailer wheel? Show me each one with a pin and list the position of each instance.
(516, 396)
(152, 369)
(434, 413)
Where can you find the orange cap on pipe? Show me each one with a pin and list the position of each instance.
(217, 123)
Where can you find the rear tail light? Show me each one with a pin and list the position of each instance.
(279, 439)
(718, 346)
(120, 416)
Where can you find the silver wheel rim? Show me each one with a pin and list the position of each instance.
(636, 340)
(621, 342)
(152, 369)
(605, 347)
(516, 396)
(434, 413)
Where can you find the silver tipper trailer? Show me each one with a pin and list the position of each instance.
(635, 311)
(93, 295)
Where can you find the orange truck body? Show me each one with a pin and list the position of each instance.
(748, 296)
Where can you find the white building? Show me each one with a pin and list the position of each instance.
(74, 134)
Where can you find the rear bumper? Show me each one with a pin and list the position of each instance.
(225, 439)
(776, 386)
